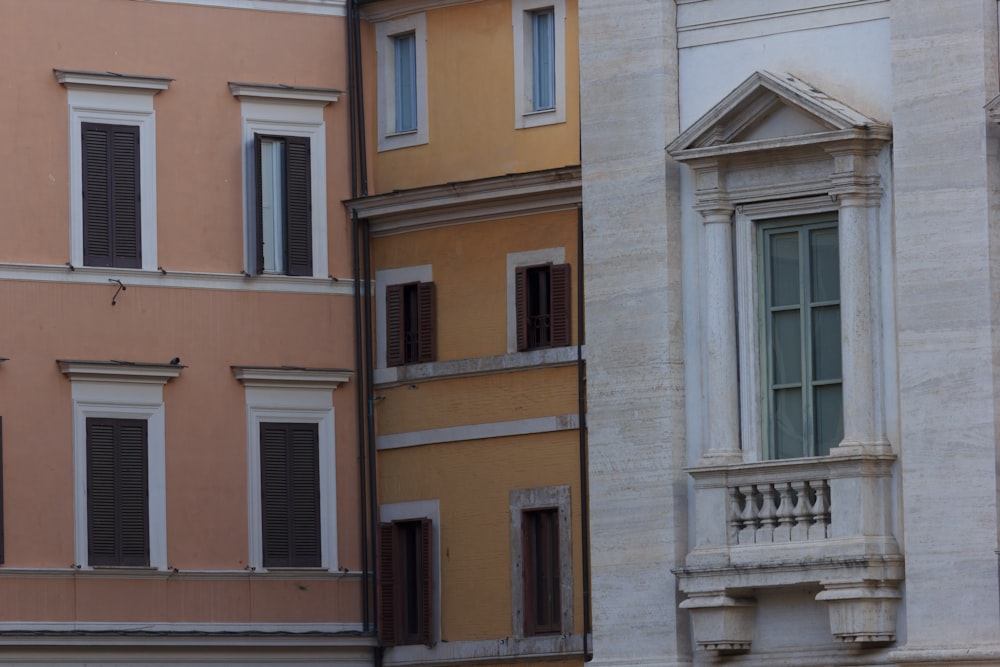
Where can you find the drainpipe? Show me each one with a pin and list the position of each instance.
(581, 392)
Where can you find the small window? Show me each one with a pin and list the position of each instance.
(801, 338)
(401, 70)
(539, 62)
(543, 59)
(284, 205)
(410, 336)
(543, 306)
(111, 208)
(405, 48)
(405, 582)
(290, 497)
(117, 492)
(542, 592)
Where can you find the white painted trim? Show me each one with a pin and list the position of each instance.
(61, 273)
(478, 431)
(423, 509)
(120, 372)
(291, 378)
(390, 9)
(409, 274)
(174, 573)
(545, 357)
(386, 71)
(524, 114)
(307, 404)
(316, 7)
(285, 117)
(78, 626)
(527, 258)
(132, 397)
(276, 93)
(97, 98)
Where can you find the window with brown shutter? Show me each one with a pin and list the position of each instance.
(405, 584)
(111, 224)
(290, 503)
(283, 190)
(410, 323)
(117, 492)
(542, 594)
(542, 303)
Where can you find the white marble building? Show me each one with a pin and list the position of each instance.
(792, 241)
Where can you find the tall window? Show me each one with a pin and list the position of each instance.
(405, 52)
(542, 592)
(111, 203)
(284, 205)
(117, 492)
(543, 306)
(801, 337)
(410, 336)
(405, 582)
(540, 51)
(543, 59)
(290, 496)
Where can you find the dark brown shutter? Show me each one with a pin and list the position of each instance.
(258, 205)
(305, 508)
(426, 320)
(133, 496)
(96, 204)
(386, 585)
(125, 196)
(560, 303)
(290, 508)
(1, 493)
(117, 492)
(298, 207)
(427, 584)
(394, 325)
(521, 306)
(111, 195)
(274, 493)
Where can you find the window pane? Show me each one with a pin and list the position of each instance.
(824, 258)
(406, 82)
(826, 343)
(787, 352)
(543, 60)
(788, 423)
(829, 417)
(272, 162)
(784, 269)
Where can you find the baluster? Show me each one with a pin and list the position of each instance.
(783, 533)
(800, 511)
(820, 529)
(749, 518)
(768, 515)
(734, 520)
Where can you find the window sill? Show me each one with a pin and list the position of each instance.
(501, 363)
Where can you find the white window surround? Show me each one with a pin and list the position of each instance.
(301, 396)
(527, 258)
(285, 111)
(117, 99)
(319, 7)
(422, 509)
(385, 54)
(120, 391)
(524, 114)
(384, 278)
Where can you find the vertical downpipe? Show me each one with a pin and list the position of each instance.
(581, 392)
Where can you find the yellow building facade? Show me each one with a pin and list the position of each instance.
(468, 241)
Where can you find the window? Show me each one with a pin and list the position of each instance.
(800, 283)
(542, 613)
(405, 582)
(543, 306)
(410, 336)
(112, 168)
(539, 62)
(284, 177)
(117, 492)
(284, 202)
(401, 54)
(289, 491)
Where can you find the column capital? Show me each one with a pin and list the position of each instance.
(713, 212)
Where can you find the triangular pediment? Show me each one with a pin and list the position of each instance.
(770, 110)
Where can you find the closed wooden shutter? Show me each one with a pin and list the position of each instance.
(1, 493)
(111, 195)
(521, 306)
(117, 492)
(298, 206)
(560, 304)
(258, 177)
(386, 585)
(290, 508)
(426, 317)
(427, 583)
(394, 325)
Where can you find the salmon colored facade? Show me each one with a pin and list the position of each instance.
(470, 228)
(189, 345)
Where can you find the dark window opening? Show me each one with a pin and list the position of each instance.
(542, 598)
(405, 582)
(543, 306)
(410, 334)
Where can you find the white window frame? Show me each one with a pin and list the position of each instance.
(292, 396)
(107, 390)
(99, 97)
(409, 274)
(525, 115)
(411, 511)
(385, 55)
(522, 500)
(526, 258)
(282, 111)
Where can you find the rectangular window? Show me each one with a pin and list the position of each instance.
(543, 59)
(410, 335)
(543, 306)
(117, 492)
(542, 592)
(405, 585)
(290, 497)
(405, 48)
(540, 51)
(284, 205)
(800, 285)
(111, 186)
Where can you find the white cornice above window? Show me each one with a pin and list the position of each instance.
(268, 92)
(319, 7)
(390, 9)
(291, 377)
(139, 83)
(119, 371)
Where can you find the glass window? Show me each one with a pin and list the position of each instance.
(543, 51)
(405, 47)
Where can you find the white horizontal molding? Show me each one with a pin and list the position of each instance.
(318, 7)
(501, 363)
(138, 83)
(282, 93)
(291, 377)
(119, 371)
(389, 9)
(478, 431)
(200, 628)
(490, 650)
(311, 574)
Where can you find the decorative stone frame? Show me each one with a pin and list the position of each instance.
(385, 31)
(524, 114)
(775, 147)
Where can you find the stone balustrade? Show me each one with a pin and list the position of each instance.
(779, 511)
